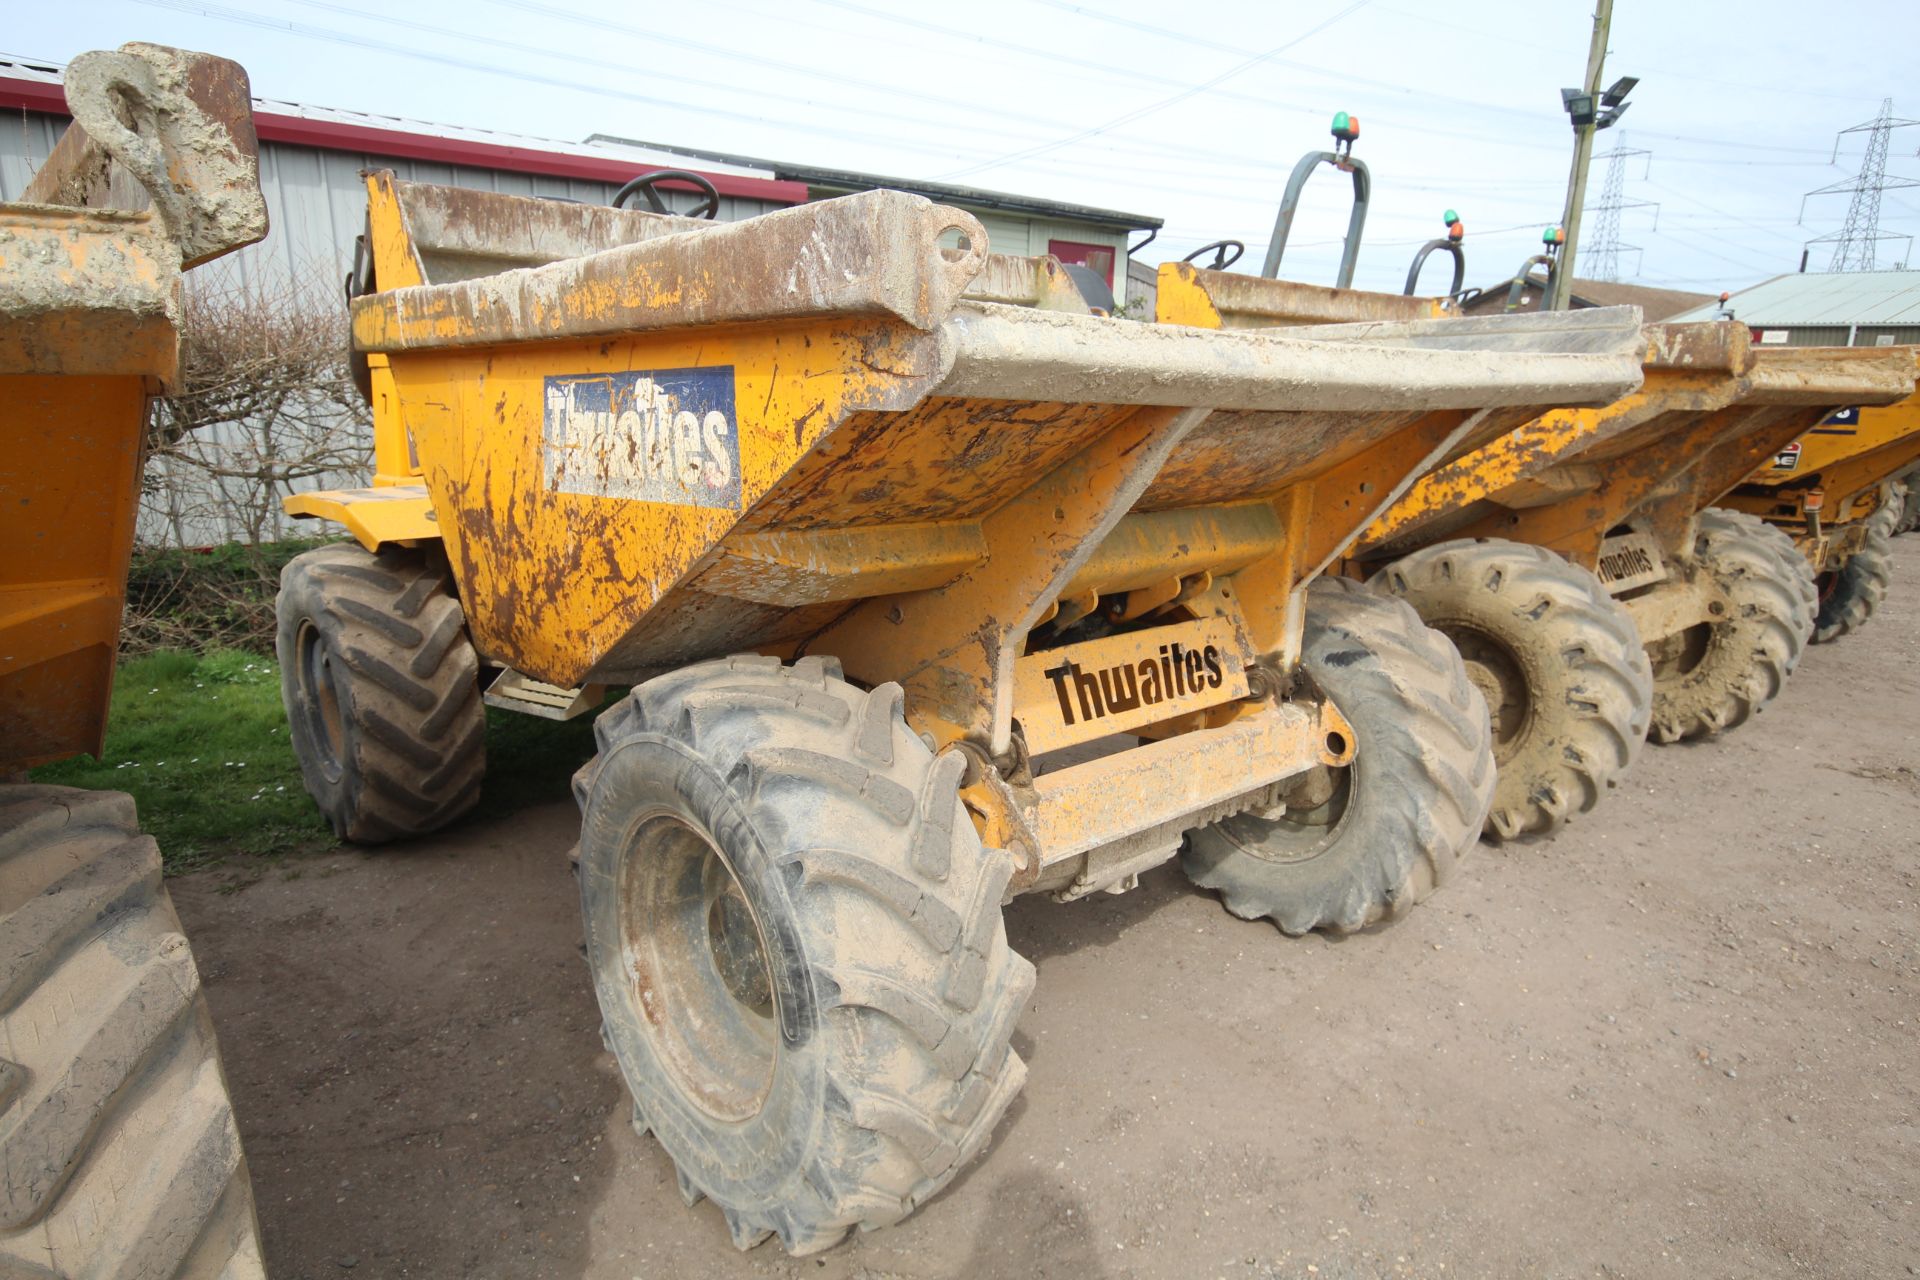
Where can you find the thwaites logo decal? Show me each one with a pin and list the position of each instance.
(652, 435)
(1630, 560)
(1788, 458)
(1097, 687)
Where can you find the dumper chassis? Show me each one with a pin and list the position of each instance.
(933, 589)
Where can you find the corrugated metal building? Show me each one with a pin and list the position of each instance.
(311, 159)
(1841, 309)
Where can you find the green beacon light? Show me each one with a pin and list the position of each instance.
(1456, 229)
(1346, 129)
(1553, 237)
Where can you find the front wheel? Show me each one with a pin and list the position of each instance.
(1558, 660)
(382, 690)
(796, 941)
(1363, 844)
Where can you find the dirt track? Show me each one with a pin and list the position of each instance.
(1679, 1040)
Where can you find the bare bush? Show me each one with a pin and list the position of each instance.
(264, 405)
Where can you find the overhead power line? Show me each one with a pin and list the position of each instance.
(1853, 244)
(1162, 104)
(1607, 246)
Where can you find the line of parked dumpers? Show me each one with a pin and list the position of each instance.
(924, 583)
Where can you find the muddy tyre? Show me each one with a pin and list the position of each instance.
(117, 1141)
(1851, 594)
(1390, 826)
(1558, 661)
(796, 941)
(1717, 676)
(381, 686)
(1910, 508)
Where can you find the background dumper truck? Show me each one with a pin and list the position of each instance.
(1577, 560)
(934, 589)
(1841, 492)
(118, 1150)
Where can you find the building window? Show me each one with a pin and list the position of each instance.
(1097, 258)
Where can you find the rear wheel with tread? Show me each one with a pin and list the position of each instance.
(1851, 594)
(1716, 676)
(1389, 827)
(381, 686)
(796, 941)
(117, 1140)
(1909, 519)
(1558, 660)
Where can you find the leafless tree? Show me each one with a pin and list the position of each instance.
(263, 405)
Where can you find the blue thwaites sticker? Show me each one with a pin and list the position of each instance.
(651, 435)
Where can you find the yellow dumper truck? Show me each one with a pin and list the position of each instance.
(1840, 492)
(118, 1150)
(1578, 561)
(933, 588)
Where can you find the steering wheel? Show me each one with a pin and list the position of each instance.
(645, 185)
(1219, 249)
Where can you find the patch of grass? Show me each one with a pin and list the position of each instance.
(200, 742)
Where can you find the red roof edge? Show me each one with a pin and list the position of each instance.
(327, 135)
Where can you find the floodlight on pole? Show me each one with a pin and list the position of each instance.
(1581, 105)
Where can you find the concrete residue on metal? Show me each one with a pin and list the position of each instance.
(88, 289)
(873, 253)
(462, 234)
(1187, 294)
(181, 124)
(1008, 352)
(1716, 346)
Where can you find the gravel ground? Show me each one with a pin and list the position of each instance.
(1677, 1040)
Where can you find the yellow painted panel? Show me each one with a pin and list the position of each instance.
(581, 481)
(377, 516)
(1830, 442)
(1180, 299)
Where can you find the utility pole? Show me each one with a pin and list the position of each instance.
(1561, 287)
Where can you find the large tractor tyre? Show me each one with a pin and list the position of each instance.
(1383, 833)
(382, 689)
(1717, 675)
(796, 940)
(1558, 661)
(1909, 520)
(1850, 594)
(117, 1141)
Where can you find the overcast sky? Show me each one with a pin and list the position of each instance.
(1193, 112)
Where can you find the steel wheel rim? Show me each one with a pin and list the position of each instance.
(1298, 835)
(1678, 656)
(1501, 677)
(697, 976)
(320, 698)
